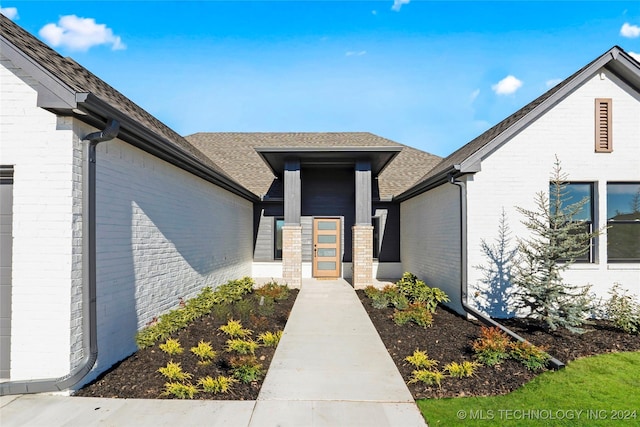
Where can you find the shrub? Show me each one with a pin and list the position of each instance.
(273, 290)
(380, 300)
(222, 312)
(492, 347)
(244, 308)
(270, 339)
(233, 290)
(623, 311)
(216, 385)
(427, 377)
(264, 306)
(172, 347)
(204, 351)
(234, 329)
(180, 390)
(461, 370)
(246, 368)
(534, 358)
(416, 312)
(421, 360)
(417, 291)
(241, 346)
(370, 291)
(173, 371)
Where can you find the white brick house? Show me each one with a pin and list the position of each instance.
(108, 217)
(443, 224)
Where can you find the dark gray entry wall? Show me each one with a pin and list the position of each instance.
(6, 250)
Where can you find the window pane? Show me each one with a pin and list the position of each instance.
(326, 265)
(623, 202)
(326, 238)
(277, 253)
(623, 242)
(327, 225)
(574, 193)
(326, 252)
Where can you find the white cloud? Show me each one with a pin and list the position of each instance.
(635, 56)
(507, 86)
(474, 95)
(356, 53)
(10, 12)
(630, 31)
(81, 34)
(553, 82)
(397, 4)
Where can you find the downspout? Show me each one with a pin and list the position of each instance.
(553, 363)
(89, 279)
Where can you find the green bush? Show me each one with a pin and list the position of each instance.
(534, 358)
(416, 312)
(233, 290)
(623, 310)
(172, 347)
(216, 385)
(270, 339)
(417, 291)
(421, 360)
(427, 377)
(204, 351)
(246, 368)
(241, 346)
(492, 348)
(180, 390)
(173, 371)
(461, 370)
(234, 329)
(274, 291)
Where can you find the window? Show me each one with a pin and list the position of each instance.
(575, 192)
(375, 221)
(603, 137)
(623, 221)
(277, 244)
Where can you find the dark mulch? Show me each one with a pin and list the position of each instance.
(449, 340)
(137, 378)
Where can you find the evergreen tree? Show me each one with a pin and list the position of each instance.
(556, 241)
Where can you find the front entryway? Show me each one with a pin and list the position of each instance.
(326, 247)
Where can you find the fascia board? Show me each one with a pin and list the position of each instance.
(52, 92)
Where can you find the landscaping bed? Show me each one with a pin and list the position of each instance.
(450, 339)
(138, 377)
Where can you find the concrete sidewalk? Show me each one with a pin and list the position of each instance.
(330, 369)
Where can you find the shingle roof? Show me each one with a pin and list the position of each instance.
(524, 115)
(81, 80)
(235, 153)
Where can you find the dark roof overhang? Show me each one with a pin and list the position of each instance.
(379, 157)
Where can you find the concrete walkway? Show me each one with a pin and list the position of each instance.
(330, 369)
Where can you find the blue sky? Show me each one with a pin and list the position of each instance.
(432, 75)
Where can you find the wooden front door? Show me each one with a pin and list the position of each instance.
(326, 247)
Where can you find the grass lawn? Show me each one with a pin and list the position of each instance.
(600, 390)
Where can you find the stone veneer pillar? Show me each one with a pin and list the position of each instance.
(292, 255)
(362, 256)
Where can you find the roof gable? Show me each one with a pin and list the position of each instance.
(468, 158)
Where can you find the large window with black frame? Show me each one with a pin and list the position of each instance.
(623, 221)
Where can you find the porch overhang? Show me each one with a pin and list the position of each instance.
(379, 157)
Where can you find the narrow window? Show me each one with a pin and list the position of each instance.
(277, 244)
(375, 221)
(604, 142)
(575, 192)
(623, 222)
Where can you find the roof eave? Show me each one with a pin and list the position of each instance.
(141, 137)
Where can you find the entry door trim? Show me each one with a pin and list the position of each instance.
(327, 253)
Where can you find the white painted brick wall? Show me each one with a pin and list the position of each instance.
(162, 234)
(41, 148)
(515, 172)
(430, 239)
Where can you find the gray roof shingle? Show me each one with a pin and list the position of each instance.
(235, 153)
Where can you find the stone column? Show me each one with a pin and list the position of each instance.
(362, 256)
(292, 255)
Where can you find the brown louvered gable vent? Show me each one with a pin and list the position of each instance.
(604, 143)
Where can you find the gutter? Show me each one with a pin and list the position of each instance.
(553, 363)
(89, 331)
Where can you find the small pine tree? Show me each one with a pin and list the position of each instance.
(556, 241)
(496, 288)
